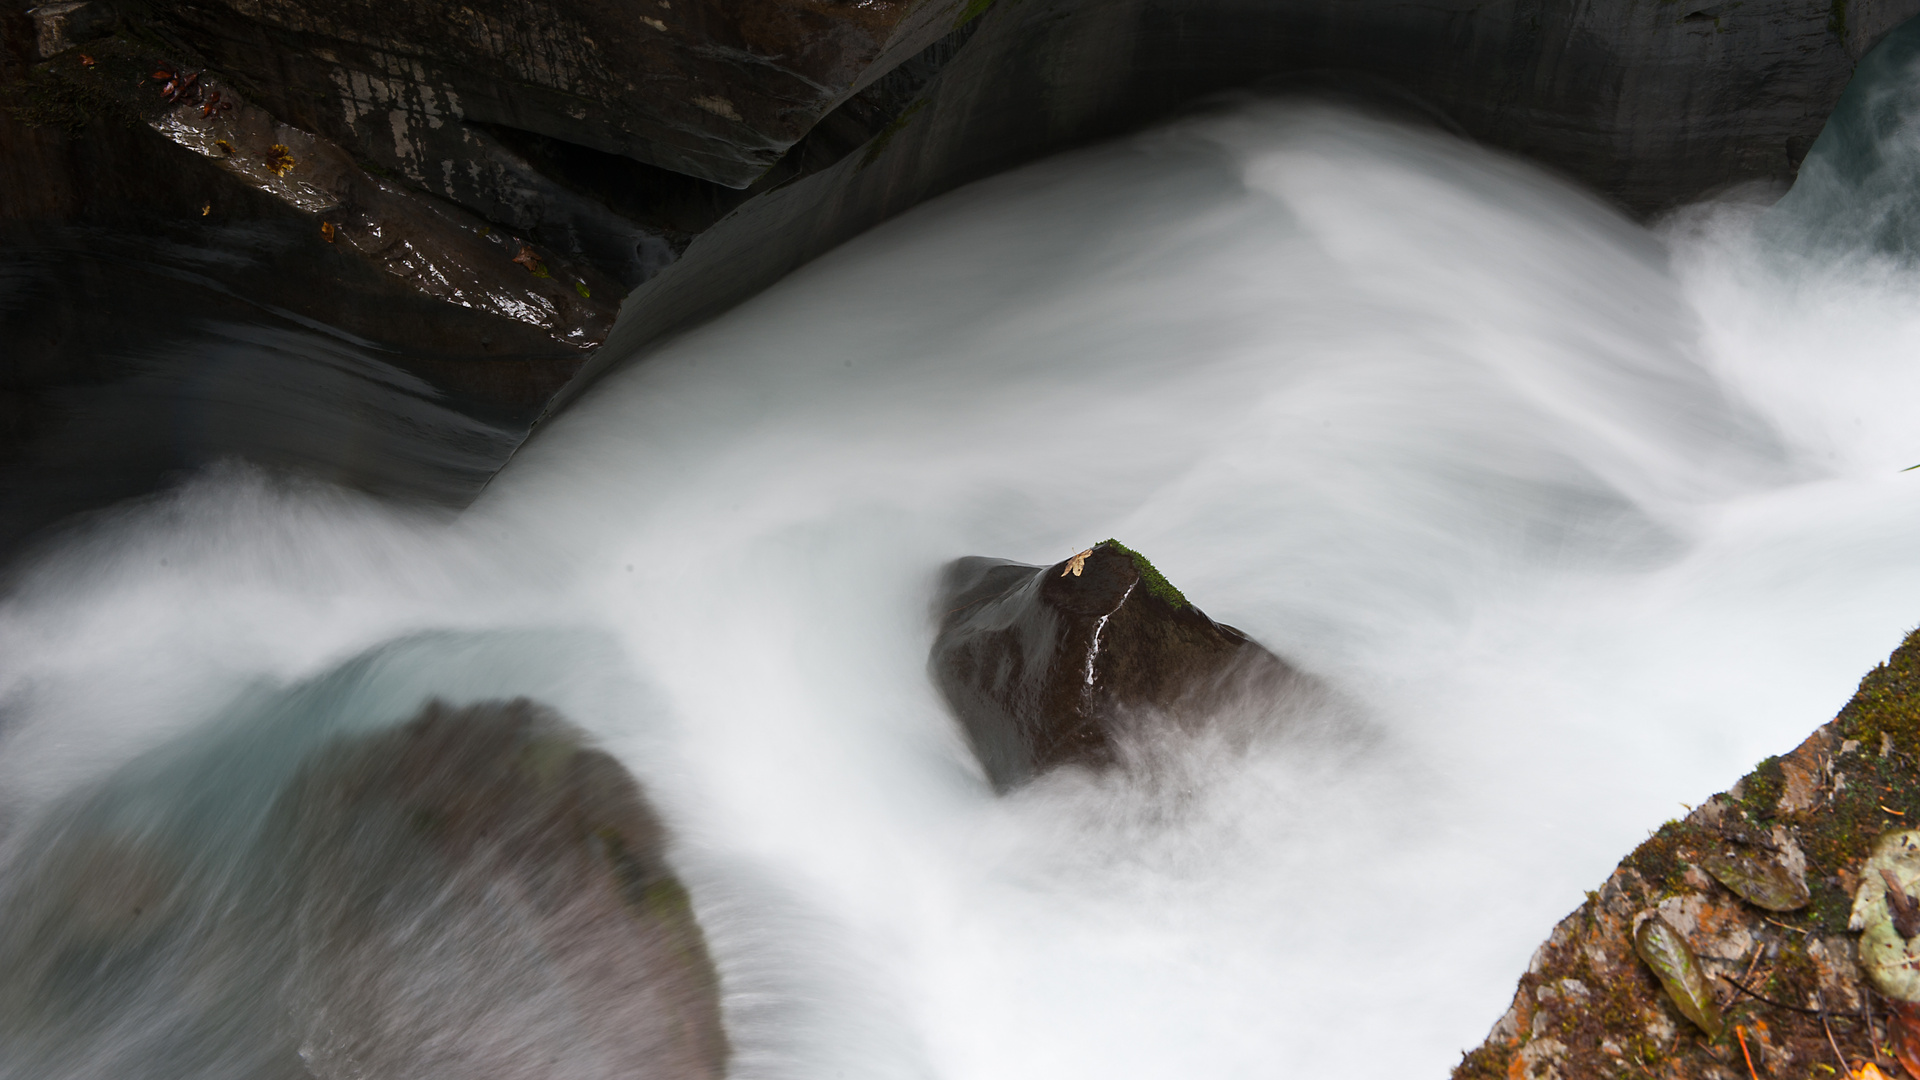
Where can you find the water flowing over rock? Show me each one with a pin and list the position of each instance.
(475, 892)
(1060, 665)
(1779, 888)
(505, 173)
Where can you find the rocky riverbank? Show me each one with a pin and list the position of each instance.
(1730, 943)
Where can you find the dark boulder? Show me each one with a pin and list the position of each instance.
(1061, 665)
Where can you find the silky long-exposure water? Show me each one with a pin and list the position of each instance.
(1577, 521)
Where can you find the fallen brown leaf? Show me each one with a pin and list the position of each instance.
(1903, 1032)
(531, 261)
(279, 159)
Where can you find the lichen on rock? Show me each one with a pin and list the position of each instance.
(1886, 922)
(1765, 885)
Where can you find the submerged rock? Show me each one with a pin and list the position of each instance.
(1054, 666)
(473, 893)
(478, 893)
(1779, 888)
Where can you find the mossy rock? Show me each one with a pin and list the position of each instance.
(1760, 883)
(1085, 662)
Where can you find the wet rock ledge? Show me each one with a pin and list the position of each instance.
(380, 242)
(1731, 943)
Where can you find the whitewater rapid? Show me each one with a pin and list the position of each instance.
(1578, 521)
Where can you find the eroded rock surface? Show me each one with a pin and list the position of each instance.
(198, 268)
(1762, 884)
(716, 90)
(477, 892)
(1059, 665)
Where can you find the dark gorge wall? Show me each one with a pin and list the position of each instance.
(377, 243)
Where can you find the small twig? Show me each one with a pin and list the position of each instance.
(1740, 1032)
(1738, 985)
(1837, 1055)
(1784, 926)
(1866, 1017)
(1895, 813)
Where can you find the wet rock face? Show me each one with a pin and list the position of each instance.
(197, 271)
(1064, 664)
(696, 149)
(1776, 895)
(479, 894)
(717, 90)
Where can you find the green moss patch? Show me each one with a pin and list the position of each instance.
(973, 10)
(1156, 582)
(1888, 703)
(1662, 859)
(1760, 790)
(1853, 781)
(67, 94)
(879, 144)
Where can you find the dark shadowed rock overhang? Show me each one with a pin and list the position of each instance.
(550, 156)
(1650, 104)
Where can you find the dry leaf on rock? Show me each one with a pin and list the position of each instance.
(1679, 971)
(1764, 883)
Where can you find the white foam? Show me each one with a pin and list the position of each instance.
(1579, 528)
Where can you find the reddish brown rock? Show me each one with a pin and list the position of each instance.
(1062, 665)
(1786, 983)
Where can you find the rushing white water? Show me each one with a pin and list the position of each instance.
(1579, 521)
